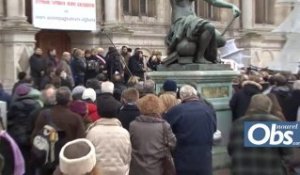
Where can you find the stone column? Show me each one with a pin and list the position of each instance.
(15, 12)
(247, 14)
(110, 11)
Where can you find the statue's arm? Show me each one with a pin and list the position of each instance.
(224, 4)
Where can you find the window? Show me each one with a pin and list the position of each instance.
(205, 10)
(139, 7)
(264, 11)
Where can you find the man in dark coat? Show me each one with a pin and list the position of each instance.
(92, 65)
(37, 67)
(114, 64)
(193, 122)
(78, 66)
(136, 65)
(106, 96)
(68, 122)
(129, 111)
(240, 101)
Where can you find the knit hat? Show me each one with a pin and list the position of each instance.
(78, 90)
(170, 85)
(22, 90)
(260, 103)
(79, 107)
(77, 157)
(107, 87)
(89, 94)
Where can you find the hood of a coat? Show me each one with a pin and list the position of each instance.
(108, 122)
(251, 88)
(149, 119)
(92, 108)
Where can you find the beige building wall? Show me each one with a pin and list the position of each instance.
(17, 37)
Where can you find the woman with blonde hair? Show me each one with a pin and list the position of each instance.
(168, 101)
(151, 137)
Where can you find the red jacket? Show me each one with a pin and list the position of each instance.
(93, 112)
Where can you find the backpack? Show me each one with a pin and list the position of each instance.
(47, 144)
(92, 65)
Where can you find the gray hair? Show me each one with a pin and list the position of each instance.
(149, 86)
(49, 96)
(187, 91)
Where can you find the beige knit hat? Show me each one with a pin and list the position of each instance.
(77, 157)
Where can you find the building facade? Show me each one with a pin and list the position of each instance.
(136, 23)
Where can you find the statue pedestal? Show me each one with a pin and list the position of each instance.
(214, 82)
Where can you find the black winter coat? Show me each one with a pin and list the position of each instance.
(240, 101)
(283, 94)
(92, 68)
(37, 65)
(127, 114)
(136, 66)
(114, 64)
(20, 119)
(78, 67)
(108, 105)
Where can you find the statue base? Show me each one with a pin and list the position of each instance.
(214, 82)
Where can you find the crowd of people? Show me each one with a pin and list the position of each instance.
(260, 96)
(89, 114)
(72, 69)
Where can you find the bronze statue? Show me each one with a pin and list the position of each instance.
(192, 39)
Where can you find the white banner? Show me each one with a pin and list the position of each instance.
(64, 14)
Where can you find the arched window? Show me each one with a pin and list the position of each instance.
(139, 7)
(207, 11)
(264, 11)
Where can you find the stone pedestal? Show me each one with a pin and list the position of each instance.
(212, 81)
(214, 84)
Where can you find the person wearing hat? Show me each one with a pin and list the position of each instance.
(77, 157)
(77, 92)
(89, 96)
(112, 141)
(170, 86)
(106, 96)
(20, 118)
